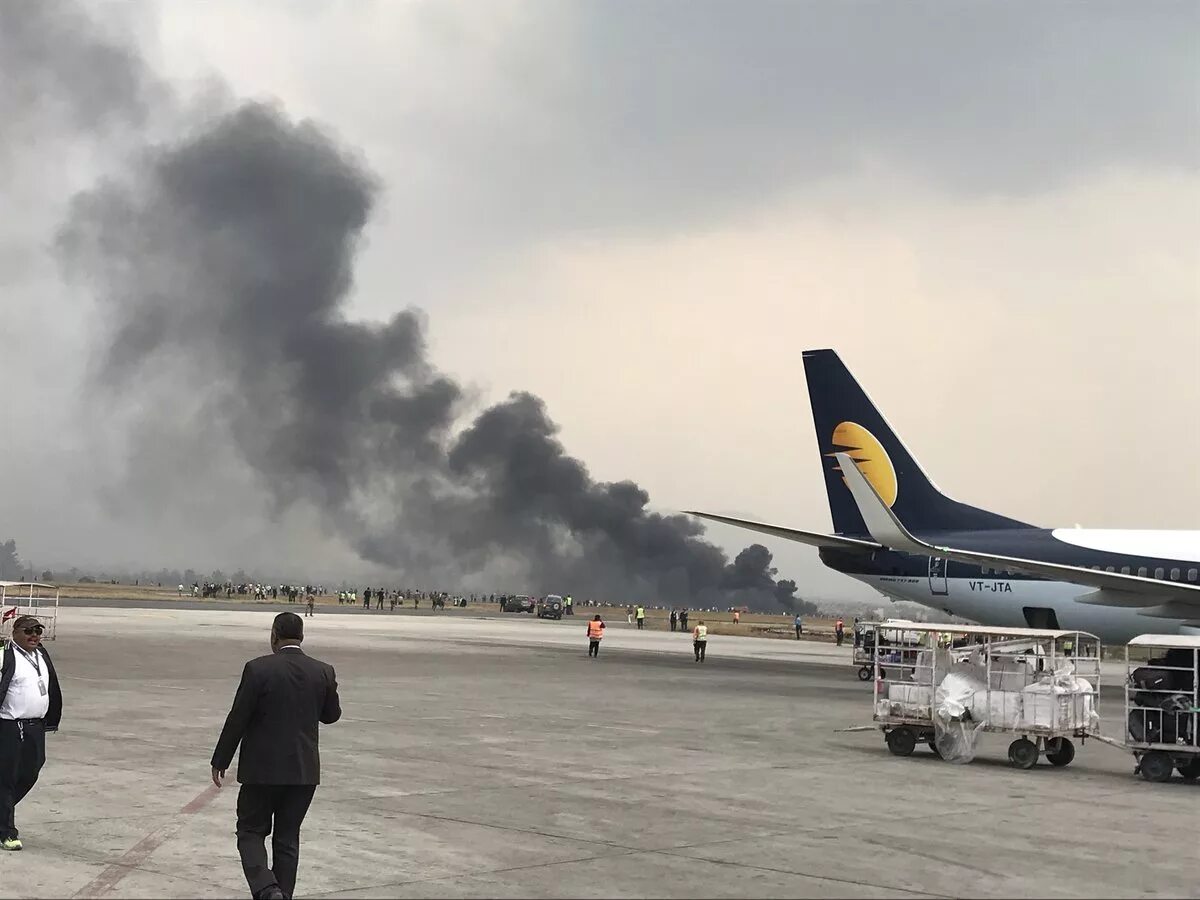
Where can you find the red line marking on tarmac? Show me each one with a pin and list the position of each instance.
(103, 884)
(201, 800)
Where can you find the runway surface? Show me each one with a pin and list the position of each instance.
(491, 758)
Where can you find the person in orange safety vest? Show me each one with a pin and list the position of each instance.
(595, 631)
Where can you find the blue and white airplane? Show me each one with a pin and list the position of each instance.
(895, 531)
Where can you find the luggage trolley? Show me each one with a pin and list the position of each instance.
(1162, 706)
(890, 637)
(19, 598)
(1040, 686)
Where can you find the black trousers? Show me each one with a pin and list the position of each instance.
(699, 647)
(593, 648)
(278, 810)
(22, 753)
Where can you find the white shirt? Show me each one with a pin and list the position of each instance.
(24, 700)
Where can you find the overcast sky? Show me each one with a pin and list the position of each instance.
(644, 212)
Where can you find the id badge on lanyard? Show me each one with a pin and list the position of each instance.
(37, 666)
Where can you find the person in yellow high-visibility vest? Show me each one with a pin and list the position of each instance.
(700, 640)
(641, 617)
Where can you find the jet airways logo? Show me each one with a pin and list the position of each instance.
(870, 457)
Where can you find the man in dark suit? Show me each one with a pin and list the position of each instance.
(275, 713)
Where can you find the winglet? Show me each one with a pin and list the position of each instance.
(881, 522)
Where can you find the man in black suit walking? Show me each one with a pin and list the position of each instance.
(275, 713)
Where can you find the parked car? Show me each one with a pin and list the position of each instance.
(550, 607)
(519, 603)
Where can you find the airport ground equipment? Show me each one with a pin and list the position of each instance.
(28, 598)
(890, 640)
(1041, 687)
(1162, 705)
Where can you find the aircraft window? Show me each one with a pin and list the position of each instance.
(1110, 568)
(1142, 572)
(1124, 570)
(1192, 574)
(1158, 573)
(1174, 574)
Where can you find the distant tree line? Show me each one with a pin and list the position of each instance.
(11, 567)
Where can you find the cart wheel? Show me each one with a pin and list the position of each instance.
(1023, 753)
(1157, 766)
(934, 748)
(901, 741)
(1060, 751)
(1191, 769)
(864, 674)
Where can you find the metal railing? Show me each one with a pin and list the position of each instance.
(28, 599)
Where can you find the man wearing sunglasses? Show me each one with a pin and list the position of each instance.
(30, 705)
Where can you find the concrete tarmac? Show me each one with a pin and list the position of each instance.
(485, 757)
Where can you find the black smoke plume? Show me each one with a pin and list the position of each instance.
(223, 262)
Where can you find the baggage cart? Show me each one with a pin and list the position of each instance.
(28, 598)
(890, 638)
(1040, 686)
(1162, 705)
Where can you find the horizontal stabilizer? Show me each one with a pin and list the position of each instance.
(812, 538)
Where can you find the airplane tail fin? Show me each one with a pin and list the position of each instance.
(848, 422)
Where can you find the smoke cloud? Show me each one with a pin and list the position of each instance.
(60, 69)
(223, 262)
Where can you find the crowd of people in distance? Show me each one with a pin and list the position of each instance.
(290, 592)
(380, 597)
(397, 597)
(393, 597)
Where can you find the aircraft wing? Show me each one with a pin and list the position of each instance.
(812, 538)
(1152, 596)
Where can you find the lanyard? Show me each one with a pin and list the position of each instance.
(33, 660)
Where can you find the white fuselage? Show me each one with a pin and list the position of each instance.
(996, 600)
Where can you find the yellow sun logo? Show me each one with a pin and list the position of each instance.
(870, 457)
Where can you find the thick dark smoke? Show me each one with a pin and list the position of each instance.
(223, 263)
(57, 66)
